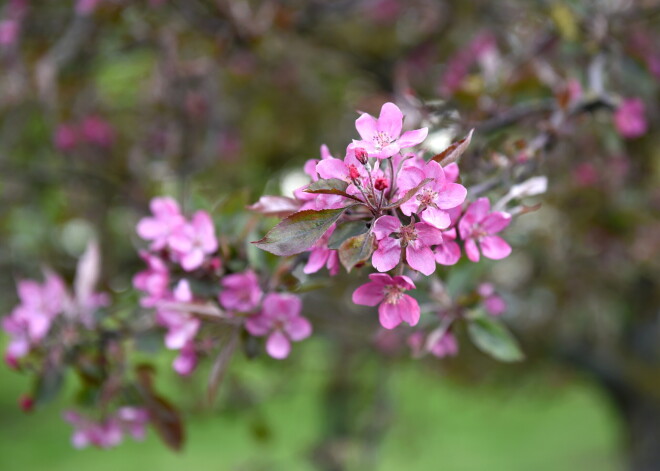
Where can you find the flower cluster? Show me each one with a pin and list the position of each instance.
(109, 432)
(408, 213)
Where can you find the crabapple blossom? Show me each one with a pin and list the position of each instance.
(477, 228)
(416, 239)
(166, 219)
(154, 281)
(387, 292)
(194, 240)
(240, 292)
(321, 256)
(435, 197)
(493, 303)
(448, 252)
(381, 137)
(281, 321)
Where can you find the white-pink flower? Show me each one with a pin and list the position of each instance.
(381, 137)
(281, 321)
(388, 292)
(477, 229)
(416, 239)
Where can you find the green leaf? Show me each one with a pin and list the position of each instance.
(409, 194)
(454, 152)
(493, 338)
(356, 249)
(300, 231)
(346, 230)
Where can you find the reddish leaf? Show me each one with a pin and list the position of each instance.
(453, 153)
(279, 206)
(300, 231)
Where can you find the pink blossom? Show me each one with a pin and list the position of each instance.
(494, 304)
(629, 118)
(66, 137)
(477, 229)
(381, 137)
(106, 434)
(321, 256)
(349, 170)
(166, 219)
(95, 130)
(240, 292)
(9, 30)
(86, 7)
(154, 281)
(181, 326)
(445, 346)
(309, 199)
(416, 239)
(281, 321)
(388, 292)
(194, 240)
(434, 198)
(448, 252)
(30, 321)
(186, 362)
(134, 421)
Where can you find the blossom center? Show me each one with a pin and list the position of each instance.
(381, 139)
(393, 294)
(408, 234)
(427, 196)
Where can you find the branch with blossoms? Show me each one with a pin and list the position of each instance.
(386, 213)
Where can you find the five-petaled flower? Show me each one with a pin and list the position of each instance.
(381, 137)
(281, 321)
(478, 226)
(416, 239)
(395, 306)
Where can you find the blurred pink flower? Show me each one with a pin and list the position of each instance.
(320, 255)
(194, 240)
(167, 219)
(154, 281)
(9, 30)
(281, 321)
(66, 137)
(629, 118)
(494, 304)
(95, 130)
(240, 292)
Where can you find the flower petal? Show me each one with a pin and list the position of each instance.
(412, 138)
(366, 126)
(298, 328)
(428, 234)
(385, 225)
(409, 309)
(420, 257)
(332, 168)
(317, 259)
(451, 196)
(495, 222)
(388, 254)
(278, 345)
(436, 218)
(388, 315)
(494, 247)
(471, 250)
(447, 253)
(390, 120)
(369, 294)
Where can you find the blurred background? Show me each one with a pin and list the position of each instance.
(107, 103)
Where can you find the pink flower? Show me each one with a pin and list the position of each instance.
(9, 30)
(241, 292)
(381, 137)
(478, 226)
(154, 281)
(97, 131)
(181, 326)
(281, 321)
(349, 170)
(445, 346)
(448, 252)
(394, 306)
(321, 256)
(186, 362)
(434, 198)
(167, 219)
(416, 239)
(86, 7)
(66, 137)
(493, 303)
(629, 118)
(134, 421)
(193, 241)
(106, 434)
(30, 321)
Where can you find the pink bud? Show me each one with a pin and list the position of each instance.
(381, 183)
(353, 172)
(26, 402)
(361, 155)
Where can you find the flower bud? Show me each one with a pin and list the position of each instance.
(361, 155)
(381, 184)
(353, 172)
(26, 402)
